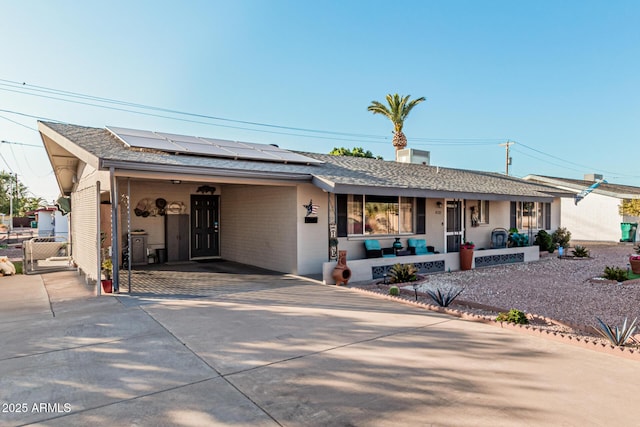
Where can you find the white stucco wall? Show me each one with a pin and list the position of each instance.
(594, 218)
(499, 217)
(258, 226)
(45, 223)
(434, 232)
(61, 224)
(312, 238)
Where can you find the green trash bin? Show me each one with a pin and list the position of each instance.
(34, 224)
(628, 231)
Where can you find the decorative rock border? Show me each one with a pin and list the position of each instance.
(584, 342)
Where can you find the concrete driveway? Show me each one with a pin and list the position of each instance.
(285, 351)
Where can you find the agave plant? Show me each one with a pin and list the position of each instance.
(616, 336)
(402, 273)
(580, 252)
(444, 298)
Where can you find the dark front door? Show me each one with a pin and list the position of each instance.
(204, 226)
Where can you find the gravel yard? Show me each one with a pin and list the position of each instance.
(560, 289)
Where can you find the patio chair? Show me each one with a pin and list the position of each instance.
(373, 250)
(419, 247)
(499, 238)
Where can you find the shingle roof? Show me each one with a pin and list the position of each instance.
(347, 170)
(337, 174)
(614, 190)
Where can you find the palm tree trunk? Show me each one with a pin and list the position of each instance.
(399, 140)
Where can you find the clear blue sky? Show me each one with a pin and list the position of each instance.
(561, 78)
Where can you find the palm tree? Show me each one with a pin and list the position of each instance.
(397, 112)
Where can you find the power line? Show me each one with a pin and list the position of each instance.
(547, 161)
(132, 107)
(5, 162)
(567, 161)
(20, 143)
(22, 88)
(17, 123)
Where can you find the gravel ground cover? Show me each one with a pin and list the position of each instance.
(565, 290)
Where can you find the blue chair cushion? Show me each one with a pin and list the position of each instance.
(419, 247)
(372, 245)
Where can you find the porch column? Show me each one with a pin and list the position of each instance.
(115, 235)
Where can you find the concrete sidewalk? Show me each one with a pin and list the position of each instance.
(287, 352)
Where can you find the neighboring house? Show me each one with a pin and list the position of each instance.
(190, 198)
(51, 222)
(596, 216)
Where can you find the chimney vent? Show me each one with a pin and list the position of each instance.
(592, 177)
(411, 155)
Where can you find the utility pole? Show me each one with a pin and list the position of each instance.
(508, 161)
(10, 202)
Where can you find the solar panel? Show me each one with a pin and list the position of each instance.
(207, 146)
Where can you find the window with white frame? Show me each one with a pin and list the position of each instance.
(480, 213)
(531, 215)
(483, 211)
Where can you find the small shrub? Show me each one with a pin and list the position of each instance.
(544, 241)
(616, 336)
(513, 316)
(580, 252)
(394, 290)
(518, 240)
(444, 298)
(561, 237)
(401, 273)
(615, 273)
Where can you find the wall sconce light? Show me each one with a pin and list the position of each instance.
(439, 204)
(175, 181)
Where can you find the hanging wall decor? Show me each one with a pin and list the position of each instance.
(333, 241)
(206, 189)
(312, 210)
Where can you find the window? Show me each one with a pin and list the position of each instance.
(354, 214)
(480, 213)
(365, 215)
(531, 215)
(483, 207)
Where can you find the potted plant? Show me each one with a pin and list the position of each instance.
(107, 283)
(634, 261)
(466, 255)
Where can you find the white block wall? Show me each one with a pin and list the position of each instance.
(258, 226)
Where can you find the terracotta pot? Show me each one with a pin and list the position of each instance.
(107, 286)
(635, 265)
(341, 273)
(466, 259)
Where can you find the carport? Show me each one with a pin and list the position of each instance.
(196, 279)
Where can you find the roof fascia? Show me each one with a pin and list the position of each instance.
(136, 169)
(417, 192)
(66, 144)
